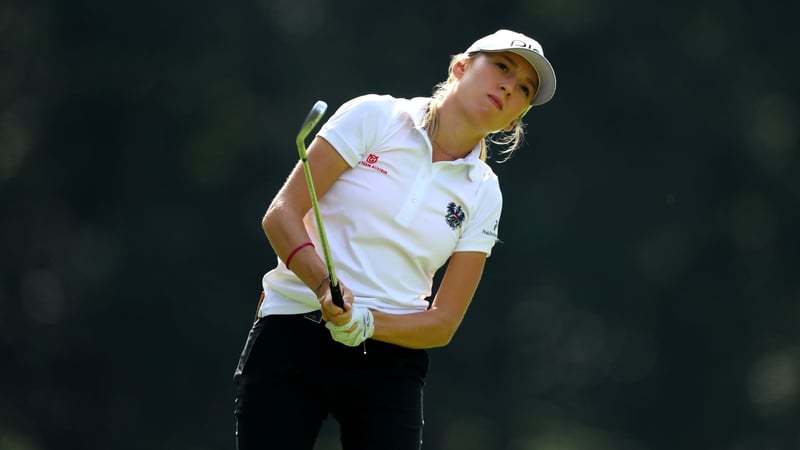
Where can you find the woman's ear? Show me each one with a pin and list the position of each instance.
(458, 68)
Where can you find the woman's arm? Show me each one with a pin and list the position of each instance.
(436, 326)
(283, 221)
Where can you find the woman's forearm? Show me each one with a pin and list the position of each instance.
(425, 329)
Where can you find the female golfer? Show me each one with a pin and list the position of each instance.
(403, 188)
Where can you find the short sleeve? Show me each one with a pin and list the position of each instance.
(480, 234)
(358, 125)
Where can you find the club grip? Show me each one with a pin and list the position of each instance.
(336, 294)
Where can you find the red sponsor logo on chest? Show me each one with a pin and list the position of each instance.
(370, 162)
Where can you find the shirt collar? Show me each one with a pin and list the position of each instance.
(416, 109)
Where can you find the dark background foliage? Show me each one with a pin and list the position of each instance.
(646, 295)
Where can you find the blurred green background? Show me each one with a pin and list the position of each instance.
(646, 295)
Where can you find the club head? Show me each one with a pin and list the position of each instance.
(316, 113)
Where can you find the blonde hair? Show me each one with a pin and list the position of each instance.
(510, 140)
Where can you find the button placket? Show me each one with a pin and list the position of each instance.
(414, 199)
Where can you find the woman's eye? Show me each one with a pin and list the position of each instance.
(502, 67)
(526, 90)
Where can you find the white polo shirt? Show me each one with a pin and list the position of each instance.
(395, 217)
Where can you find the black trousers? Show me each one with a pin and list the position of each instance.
(292, 375)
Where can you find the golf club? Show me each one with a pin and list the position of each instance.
(316, 113)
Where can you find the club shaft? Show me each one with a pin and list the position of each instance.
(313, 117)
(323, 238)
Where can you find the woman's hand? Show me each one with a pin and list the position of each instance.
(360, 327)
(349, 326)
(331, 312)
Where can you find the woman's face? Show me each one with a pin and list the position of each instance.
(497, 87)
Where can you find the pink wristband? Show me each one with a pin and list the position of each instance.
(296, 249)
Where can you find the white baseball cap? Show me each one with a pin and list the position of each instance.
(510, 41)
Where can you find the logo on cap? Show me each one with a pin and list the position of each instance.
(523, 44)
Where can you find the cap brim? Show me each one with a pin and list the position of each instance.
(547, 76)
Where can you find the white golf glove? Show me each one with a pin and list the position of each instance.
(365, 326)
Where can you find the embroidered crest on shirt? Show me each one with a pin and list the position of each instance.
(370, 162)
(455, 215)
